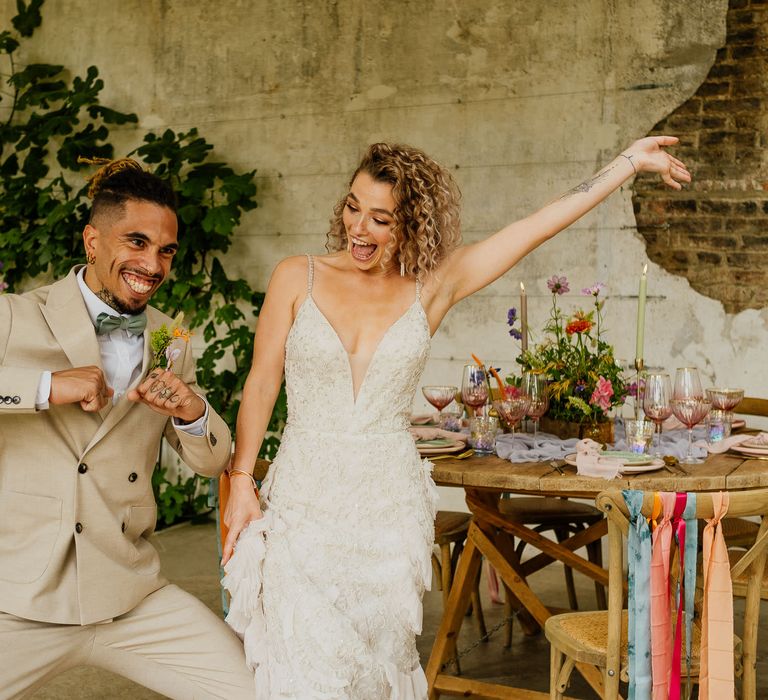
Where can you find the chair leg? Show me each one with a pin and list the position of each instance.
(437, 571)
(446, 570)
(595, 555)
(555, 663)
(573, 602)
(477, 607)
(508, 615)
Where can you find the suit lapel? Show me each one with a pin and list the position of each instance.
(68, 319)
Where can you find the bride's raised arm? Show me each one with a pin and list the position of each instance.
(472, 267)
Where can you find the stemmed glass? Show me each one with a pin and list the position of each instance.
(656, 402)
(689, 405)
(474, 387)
(725, 400)
(439, 397)
(512, 407)
(535, 386)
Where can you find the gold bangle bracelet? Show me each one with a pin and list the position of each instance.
(233, 472)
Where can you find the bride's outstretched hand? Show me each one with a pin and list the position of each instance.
(648, 155)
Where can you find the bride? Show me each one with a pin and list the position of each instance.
(331, 565)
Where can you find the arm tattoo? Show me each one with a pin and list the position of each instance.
(587, 185)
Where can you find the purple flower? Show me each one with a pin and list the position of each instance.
(511, 316)
(558, 285)
(516, 334)
(594, 290)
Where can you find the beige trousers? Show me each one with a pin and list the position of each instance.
(170, 643)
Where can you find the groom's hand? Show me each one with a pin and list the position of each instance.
(84, 385)
(165, 393)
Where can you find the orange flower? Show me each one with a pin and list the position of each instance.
(578, 325)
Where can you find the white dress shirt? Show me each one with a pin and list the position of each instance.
(122, 354)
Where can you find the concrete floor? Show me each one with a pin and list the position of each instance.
(189, 560)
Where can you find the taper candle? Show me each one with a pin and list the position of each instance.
(641, 315)
(523, 318)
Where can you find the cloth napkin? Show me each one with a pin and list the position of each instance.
(519, 448)
(423, 435)
(674, 440)
(729, 442)
(590, 463)
(423, 419)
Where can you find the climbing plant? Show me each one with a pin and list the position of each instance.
(47, 121)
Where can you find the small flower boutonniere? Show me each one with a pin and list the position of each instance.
(161, 341)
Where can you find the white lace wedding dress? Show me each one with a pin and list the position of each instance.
(326, 588)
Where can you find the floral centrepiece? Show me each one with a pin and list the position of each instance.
(161, 343)
(584, 379)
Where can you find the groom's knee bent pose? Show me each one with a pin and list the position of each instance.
(82, 412)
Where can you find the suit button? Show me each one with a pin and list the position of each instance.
(78, 528)
(213, 439)
(132, 477)
(16, 400)
(122, 527)
(82, 468)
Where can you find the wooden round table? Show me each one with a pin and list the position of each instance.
(484, 479)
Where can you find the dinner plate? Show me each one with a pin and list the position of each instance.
(755, 451)
(649, 466)
(455, 446)
(758, 442)
(633, 458)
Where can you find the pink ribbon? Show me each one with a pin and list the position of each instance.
(716, 675)
(661, 624)
(678, 524)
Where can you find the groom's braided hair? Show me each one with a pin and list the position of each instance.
(118, 181)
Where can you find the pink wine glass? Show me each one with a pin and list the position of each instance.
(474, 387)
(512, 410)
(439, 397)
(535, 386)
(690, 412)
(656, 402)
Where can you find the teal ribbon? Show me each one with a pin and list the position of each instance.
(639, 613)
(691, 552)
(135, 325)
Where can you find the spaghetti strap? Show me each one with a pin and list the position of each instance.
(311, 273)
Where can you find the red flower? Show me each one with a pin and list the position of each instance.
(578, 325)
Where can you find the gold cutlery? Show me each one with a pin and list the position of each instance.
(462, 455)
(557, 467)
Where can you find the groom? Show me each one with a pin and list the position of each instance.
(80, 425)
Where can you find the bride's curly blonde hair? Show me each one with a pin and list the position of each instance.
(426, 214)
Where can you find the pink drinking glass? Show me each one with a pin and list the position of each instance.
(512, 410)
(439, 397)
(535, 386)
(690, 412)
(474, 387)
(656, 402)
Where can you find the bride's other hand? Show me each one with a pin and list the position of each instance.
(648, 155)
(242, 507)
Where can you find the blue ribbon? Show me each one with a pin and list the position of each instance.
(639, 584)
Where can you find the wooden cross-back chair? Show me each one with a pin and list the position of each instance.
(600, 638)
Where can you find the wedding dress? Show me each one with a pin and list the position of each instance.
(326, 588)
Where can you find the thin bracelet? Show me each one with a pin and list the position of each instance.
(629, 158)
(232, 472)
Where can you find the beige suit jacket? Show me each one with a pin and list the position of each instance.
(76, 501)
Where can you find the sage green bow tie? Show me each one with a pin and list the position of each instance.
(135, 325)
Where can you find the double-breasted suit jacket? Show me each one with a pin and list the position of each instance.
(76, 501)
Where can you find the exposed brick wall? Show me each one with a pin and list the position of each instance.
(715, 232)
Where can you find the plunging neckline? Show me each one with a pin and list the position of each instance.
(355, 396)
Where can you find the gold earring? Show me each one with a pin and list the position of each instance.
(90, 258)
(402, 269)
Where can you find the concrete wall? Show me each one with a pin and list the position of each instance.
(522, 99)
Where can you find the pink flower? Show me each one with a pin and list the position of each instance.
(602, 394)
(558, 285)
(594, 290)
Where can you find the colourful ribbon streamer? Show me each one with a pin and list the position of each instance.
(716, 676)
(639, 601)
(661, 623)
